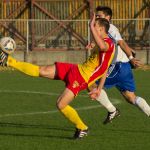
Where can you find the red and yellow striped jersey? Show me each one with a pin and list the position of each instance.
(97, 64)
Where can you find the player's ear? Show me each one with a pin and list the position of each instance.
(100, 29)
(103, 29)
(108, 18)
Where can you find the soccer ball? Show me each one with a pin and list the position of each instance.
(8, 45)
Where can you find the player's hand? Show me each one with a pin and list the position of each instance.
(94, 93)
(136, 63)
(90, 46)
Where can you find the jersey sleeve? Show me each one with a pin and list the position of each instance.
(114, 32)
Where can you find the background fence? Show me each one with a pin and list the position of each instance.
(63, 24)
(63, 40)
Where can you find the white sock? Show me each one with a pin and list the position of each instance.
(104, 101)
(142, 104)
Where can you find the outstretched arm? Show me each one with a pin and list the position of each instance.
(129, 52)
(124, 46)
(99, 41)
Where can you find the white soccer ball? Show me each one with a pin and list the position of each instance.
(8, 45)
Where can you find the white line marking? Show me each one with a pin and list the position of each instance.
(116, 101)
(35, 92)
(52, 111)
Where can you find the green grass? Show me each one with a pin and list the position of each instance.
(20, 130)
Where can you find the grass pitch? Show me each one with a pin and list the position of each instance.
(29, 119)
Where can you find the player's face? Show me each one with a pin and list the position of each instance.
(100, 14)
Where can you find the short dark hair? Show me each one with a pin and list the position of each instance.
(104, 23)
(105, 9)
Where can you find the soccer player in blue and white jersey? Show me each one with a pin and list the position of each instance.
(120, 73)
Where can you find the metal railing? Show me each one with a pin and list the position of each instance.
(25, 32)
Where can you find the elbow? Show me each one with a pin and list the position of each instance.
(103, 48)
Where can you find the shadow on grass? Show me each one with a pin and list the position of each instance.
(128, 131)
(34, 134)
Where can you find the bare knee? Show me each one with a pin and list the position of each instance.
(129, 96)
(60, 105)
(47, 71)
(64, 99)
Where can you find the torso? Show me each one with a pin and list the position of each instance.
(121, 56)
(97, 63)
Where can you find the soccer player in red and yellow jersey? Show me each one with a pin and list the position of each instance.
(76, 76)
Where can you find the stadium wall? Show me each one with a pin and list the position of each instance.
(49, 57)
